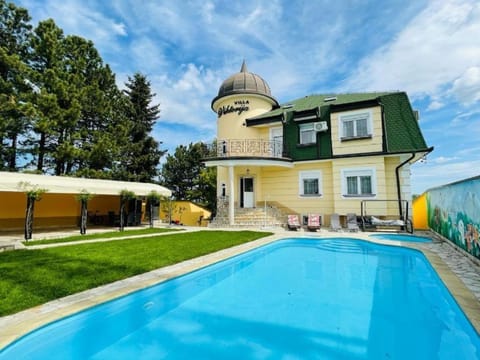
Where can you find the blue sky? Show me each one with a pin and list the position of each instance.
(430, 49)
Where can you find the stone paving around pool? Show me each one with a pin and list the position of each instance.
(460, 273)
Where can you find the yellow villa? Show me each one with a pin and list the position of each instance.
(321, 154)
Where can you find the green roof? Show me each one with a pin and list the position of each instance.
(403, 133)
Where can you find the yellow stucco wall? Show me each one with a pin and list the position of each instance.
(420, 215)
(357, 146)
(346, 205)
(186, 213)
(53, 210)
(231, 125)
(281, 186)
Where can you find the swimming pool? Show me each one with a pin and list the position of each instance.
(295, 299)
(401, 237)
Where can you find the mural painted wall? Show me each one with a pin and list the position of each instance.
(454, 213)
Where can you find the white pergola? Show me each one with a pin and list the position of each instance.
(10, 182)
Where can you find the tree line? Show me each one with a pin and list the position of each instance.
(62, 113)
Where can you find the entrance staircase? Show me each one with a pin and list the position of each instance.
(260, 217)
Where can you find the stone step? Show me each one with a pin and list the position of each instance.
(252, 217)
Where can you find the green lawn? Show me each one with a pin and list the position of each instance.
(105, 235)
(33, 277)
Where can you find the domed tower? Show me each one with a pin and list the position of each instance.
(241, 96)
(241, 150)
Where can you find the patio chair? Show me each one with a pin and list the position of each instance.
(352, 224)
(313, 223)
(293, 223)
(335, 222)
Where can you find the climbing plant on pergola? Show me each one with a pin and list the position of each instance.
(83, 197)
(125, 197)
(153, 199)
(33, 193)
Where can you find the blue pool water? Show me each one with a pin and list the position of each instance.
(292, 299)
(401, 237)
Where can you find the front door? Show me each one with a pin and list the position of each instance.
(247, 199)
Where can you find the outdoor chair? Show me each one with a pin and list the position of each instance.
(313, 223)
(335, 222)
(352, 224)
(293, 223)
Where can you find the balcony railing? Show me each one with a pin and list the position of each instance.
(247, 147)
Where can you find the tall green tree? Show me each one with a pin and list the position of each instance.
(142, 154)
(53, 99)
(98, 132)
(188, 178)
(15, 32)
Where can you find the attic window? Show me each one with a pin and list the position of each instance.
(355, 125)
(332, 98)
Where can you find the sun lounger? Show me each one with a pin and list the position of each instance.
(352, 224)
(293, 223)
(335, 222)
(313, 223)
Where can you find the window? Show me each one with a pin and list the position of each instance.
(358, 183)
(357, 125)
(307, 134)
(310, 183)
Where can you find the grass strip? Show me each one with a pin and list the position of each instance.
(105, 235)
(32, 277)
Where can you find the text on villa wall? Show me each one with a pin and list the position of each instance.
(238, 106)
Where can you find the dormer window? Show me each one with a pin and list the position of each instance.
(356, 125)
(307, 134)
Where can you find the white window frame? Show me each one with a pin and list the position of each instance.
(359, 172)
(309, 175)
(355, 116)
(305, 128)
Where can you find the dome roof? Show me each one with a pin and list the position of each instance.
(244, 82)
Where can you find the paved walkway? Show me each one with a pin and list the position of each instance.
(460, 274)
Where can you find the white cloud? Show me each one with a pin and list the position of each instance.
(208, 10)
(466, 88)
(76, 17)
(120, 29)
(443, 159)
(428, 175)
(432, 51)
(186, 100)
(146, 56)
(435, 105)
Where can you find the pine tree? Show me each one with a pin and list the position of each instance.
(15, 31)
(142, 154)
(53, 100)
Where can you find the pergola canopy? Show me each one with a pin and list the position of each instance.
(10, 182)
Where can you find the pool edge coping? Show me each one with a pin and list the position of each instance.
(15, 326)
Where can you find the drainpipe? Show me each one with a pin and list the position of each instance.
(399, 191)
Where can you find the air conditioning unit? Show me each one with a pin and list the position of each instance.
(320, 126)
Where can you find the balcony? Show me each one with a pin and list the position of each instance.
(247, 148)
